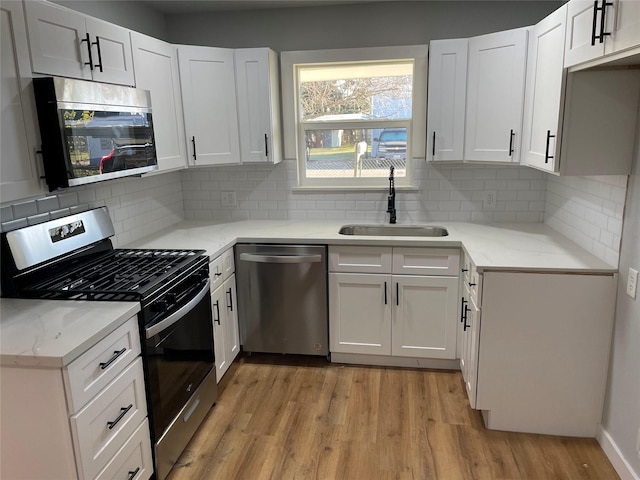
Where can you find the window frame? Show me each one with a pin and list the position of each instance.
(293, 128)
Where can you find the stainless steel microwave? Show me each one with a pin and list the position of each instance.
(93, 131)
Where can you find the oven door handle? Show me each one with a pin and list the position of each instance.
(178, 314)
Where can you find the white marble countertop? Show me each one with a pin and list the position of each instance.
(526, 246)
(53, 333)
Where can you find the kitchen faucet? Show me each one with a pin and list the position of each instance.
(391, 199)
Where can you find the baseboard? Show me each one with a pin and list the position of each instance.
(614, 455)
(389, 361)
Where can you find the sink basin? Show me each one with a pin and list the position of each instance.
(394, 230)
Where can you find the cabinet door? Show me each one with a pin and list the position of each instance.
(258, 105)
(447, 94)
(232, 335)
(495, 96)
(623, 20)
(58, 40)
(111, 52)
(19, 176)
(471, 331)
(424, 316)
(207, 82)
(360, 313)
(544, 92)
(583, 23)
(156, 70)
(219, 336)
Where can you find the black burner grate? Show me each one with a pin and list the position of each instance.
(118, 275)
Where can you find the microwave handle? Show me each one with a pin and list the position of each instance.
(177, 315)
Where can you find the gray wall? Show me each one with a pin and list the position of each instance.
(344, 26)
(129, 14)
(622, 408)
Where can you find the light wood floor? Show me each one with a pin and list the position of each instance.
(287, 417)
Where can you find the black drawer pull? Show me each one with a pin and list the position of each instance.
(115, 356)
(217, 305)
(132, 474)
(230, 306)
(123, 412)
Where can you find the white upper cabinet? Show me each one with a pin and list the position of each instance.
(207, 80)
(544, 91)
(19, 177)
(156, 70)
(447, 94)
(495, 96)
(597, 28)
(69, 44)
(258, 93)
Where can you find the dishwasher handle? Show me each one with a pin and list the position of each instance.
(252, 257)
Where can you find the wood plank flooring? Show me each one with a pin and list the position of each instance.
(288, 417)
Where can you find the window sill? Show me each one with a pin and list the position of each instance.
(369, 188)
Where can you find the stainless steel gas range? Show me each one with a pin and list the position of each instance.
(73, 258)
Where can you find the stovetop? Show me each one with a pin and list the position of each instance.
(119, 274)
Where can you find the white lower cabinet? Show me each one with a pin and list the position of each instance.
(86, 420)
(226, 334)
(536, 348)
(392, 314)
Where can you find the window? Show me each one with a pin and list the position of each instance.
(350, 115)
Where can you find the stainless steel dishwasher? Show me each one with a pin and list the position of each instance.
(282, 298)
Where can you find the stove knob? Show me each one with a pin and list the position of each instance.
(160, 306)
(171, 298)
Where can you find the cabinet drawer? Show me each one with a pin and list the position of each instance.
(426, 261)
(102, 427)
(215, 273)
(133, 461)
(228, 264)
(360, 259)
(94, 369)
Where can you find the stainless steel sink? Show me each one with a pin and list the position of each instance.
(393, 230)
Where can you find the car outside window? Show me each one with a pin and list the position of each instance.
(352, 120)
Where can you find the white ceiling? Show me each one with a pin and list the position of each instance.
(196, 6)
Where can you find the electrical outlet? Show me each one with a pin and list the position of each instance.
(489, 202)
(229, 199)
(632, 283)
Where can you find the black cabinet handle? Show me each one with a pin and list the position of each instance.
(217, 305)
(465, 270)
(385, 293)
(603, 34)
(116, 354)
(595, 22)
(466, 316)
(88, 40)
(266, 145)
(463, 312)
(511, 143)
(123, 412)
(472, 284)
(193, 141)
(132, 474)
(548, 157)
(433, 145)
(230, 306)
(217, 274)
(397, 293)
(97, 44)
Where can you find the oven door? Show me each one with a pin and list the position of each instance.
(179, 354)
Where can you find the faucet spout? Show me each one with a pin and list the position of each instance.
(391, 198)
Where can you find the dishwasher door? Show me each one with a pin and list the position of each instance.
(282, 298)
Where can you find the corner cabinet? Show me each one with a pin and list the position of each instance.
(572, 121)
(258, 94)
(207, 80)
(66, 43)
(495, 96)
(156, 69)
(447, 94)
(399, 302)
(552, 327)
(19, 175)
(600, 27)
(226, 335)
(86, 420)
